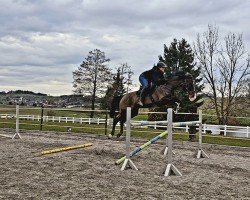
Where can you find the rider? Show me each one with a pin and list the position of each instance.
(152, 76)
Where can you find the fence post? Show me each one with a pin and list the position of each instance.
(106, 121)
(41, 122)
(225, 130)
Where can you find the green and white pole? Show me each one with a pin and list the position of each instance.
(138, 149)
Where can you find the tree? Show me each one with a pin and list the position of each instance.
(225, 68)
(92, 76)
(120, 86)
(180, 56)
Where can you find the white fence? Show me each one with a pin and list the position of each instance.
(234, 131)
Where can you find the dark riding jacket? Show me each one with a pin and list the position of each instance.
(154, 76)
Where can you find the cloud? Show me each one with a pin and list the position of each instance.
(42, 42)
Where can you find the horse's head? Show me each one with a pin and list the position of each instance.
(186, 82)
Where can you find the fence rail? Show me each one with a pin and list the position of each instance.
(235, 131)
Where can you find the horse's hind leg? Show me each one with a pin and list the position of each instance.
(122, 121)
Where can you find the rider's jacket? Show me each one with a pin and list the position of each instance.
(154, 76)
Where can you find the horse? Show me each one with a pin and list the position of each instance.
(163, 95)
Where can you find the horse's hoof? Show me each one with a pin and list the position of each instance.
(110, 136)
(118, 135)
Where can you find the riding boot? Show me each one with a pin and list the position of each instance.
(142, 96)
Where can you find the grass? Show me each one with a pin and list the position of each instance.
(135, 133)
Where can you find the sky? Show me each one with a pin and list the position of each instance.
(43, 41)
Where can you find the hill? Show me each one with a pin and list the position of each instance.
(29, 98)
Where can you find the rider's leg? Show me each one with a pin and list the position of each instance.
(143, 95)
(144, 83)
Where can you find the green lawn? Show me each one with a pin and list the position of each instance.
(100, 130)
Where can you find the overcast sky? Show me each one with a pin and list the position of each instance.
(43, 41)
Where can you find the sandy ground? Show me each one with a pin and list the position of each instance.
(90, 173)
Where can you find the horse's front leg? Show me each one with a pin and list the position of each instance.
(121, 129)
(115, 121)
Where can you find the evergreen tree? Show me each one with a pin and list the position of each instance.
(179, 56)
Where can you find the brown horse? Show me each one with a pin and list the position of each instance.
(162, 95)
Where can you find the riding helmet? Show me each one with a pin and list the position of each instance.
(161, 64)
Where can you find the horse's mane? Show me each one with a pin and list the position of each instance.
(178, 73)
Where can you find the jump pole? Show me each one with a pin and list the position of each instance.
(138, 149)
(65, 149)
(179, 124)
(201, 153)
(153, 140)
(170, 168)
(17, 124)
(127, 161)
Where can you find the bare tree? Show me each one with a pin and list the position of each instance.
(92, 76)
(126, 75)
(225, 69)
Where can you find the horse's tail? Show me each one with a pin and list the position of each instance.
(114, 106)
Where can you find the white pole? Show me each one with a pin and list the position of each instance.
(127, 160)
(200, 129)
(128, 132)
(17, 123)
(225, 130)
(170, 135)
(17, 118)
(170, 168)
(201, 152)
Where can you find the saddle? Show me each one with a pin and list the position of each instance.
(150, 91)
